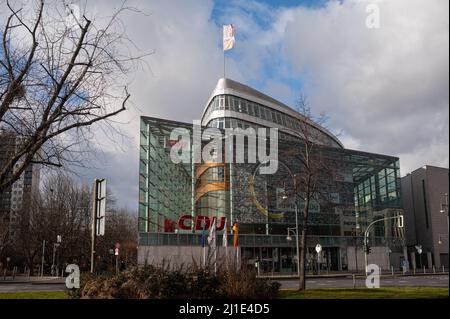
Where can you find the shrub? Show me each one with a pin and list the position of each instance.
(164, 282)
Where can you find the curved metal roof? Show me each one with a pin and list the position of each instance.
(228, 86)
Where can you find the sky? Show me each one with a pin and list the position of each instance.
(384, 90)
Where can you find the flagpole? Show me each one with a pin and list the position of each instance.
(215, 260)
(224, 64)
(204, 256)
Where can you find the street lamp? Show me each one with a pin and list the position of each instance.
(55, 248)
(419, 251)
(388, 253)
(294, 230)
(444, 206)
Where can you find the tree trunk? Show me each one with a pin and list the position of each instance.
(302, 279)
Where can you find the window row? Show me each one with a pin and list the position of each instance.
(237, 104)
(223, 123)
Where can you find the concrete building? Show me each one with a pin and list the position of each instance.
(424, 197)
(15, 198)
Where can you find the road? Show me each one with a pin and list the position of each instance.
(24, 287)
(340, 282)
(417, 281)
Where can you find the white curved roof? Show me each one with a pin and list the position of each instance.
(230, 87)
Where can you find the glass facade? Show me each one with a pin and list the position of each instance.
(164, 187)
(355, 189)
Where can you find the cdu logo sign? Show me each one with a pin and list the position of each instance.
(373, 277)
(73, 279)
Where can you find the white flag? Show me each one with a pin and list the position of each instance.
(212, 234)
(228, 37)
(224, 236)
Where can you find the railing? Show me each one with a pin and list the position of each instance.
(261, 240)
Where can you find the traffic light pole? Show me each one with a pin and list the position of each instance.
(366, 235)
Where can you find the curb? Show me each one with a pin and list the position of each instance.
(398, 275)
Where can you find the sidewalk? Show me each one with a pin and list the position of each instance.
(35, 280)
(349, 275)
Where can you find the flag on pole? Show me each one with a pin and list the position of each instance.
(224, 236)
(228, 37)
(203, 233)
(235, 235)
(212, 234)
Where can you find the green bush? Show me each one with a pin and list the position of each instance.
(165, 282)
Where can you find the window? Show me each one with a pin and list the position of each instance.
(221, 102)
(228, 100)
(250, 108)
(283, 120)
(268, 115)
(235, 104)
(278, 118)
(220, 173)
(256, 110)
(244, 106)
(262, 112)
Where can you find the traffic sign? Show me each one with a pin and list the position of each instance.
(318, 248)
(100, 203)
(419, 249)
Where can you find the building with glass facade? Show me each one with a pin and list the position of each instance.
(355, 188)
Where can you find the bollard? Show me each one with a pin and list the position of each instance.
(392, 271)
(414, 270)
(354, 281)
(443, 268)
(434, 269)
(424, 270)
(14, 273)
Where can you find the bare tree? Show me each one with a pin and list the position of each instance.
(309, 177)
(60, 72)
(63, 208)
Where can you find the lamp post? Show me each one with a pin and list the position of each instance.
(55, 248)
(388, 253)
(444, 206)
(318, 250)
(294, 231)
(43, 256)
(296, 228)
(419, 251)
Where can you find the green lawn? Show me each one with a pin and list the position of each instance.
(34, 295)
(325, 293)
(365, 293)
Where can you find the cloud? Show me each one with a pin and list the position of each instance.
(386, 88)
(175, 82)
